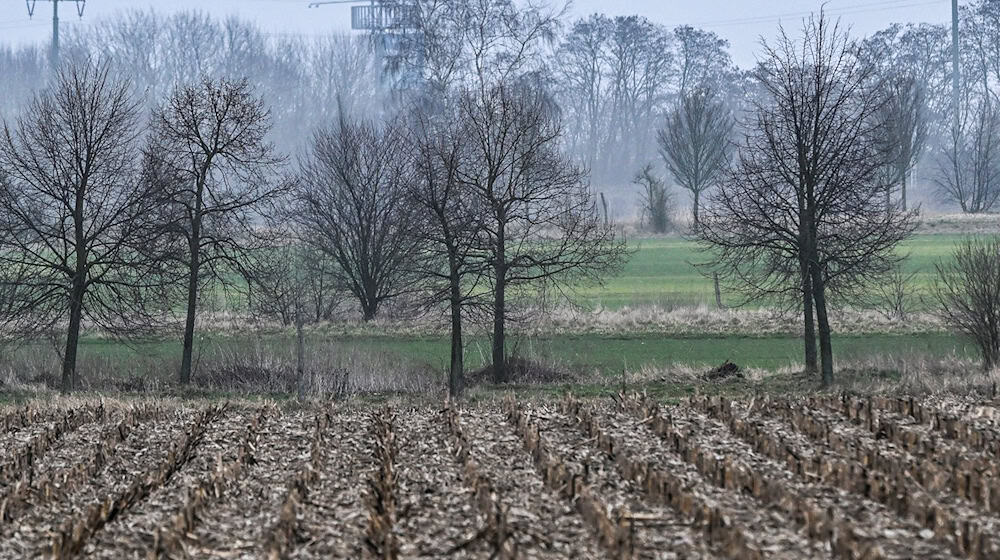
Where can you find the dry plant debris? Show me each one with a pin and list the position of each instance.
(821, 477)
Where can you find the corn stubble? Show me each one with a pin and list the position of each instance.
(824, 476)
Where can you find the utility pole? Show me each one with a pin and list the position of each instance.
(54, 55)
(956, 97)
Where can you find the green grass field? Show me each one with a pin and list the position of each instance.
(662, 271)
(609, 355)
(604, 355)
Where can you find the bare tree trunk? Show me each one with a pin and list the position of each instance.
(499, 312)
(369, 303)
(902, 193)
(69, 375)
(194, 247)
(455, 377)
(300, 351)
(718, 292)
(192, 306)
(697, 197)
(499, 358)
(79, 287)
(368, 312)
(825, 345)
(809, 325)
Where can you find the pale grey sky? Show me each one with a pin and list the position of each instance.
(742, 22)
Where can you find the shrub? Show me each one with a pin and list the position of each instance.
(968, 293)
(656, 199)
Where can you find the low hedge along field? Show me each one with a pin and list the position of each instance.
(824, 476)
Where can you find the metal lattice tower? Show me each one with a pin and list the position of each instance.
(374, 16)
(387, 24)
(81, 5)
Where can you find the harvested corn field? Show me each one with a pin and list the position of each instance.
(827, 476)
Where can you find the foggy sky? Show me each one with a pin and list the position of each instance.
(742, 22)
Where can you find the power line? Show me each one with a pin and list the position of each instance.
(845, 10)
(955, 62)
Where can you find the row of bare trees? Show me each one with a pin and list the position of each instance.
(302, 79)
(614, 78)
(470, 204)
(106, 223)
(102, 225)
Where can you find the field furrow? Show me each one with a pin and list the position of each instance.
(976, 425)
(537, 522)
(776, 474)
(740, 526)
(907, 452)
(764, 478)
(160, 523)
(435, 516)
(627, 525)
(332, 518)
(854, 462)
(75, 533)
(49, 528)
(76, 459)
(237, 527)
(26, 448)
(380, 499)
(279, 538)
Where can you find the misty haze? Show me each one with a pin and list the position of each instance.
(499, 279)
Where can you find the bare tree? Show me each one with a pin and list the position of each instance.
(24, 71)
(640, 67)
(921, 53)
(443, 44)
(583, 90)
(967, 290)
(655, 198)
(343, 74)
(893, 295)
(904, 129)
(290, 280)
(969, 168)
(702, 60)
(450, 222)
(803, 212)
(540, 226)
(695, 142)
(217, 170)
(355, 208)
(76, 237)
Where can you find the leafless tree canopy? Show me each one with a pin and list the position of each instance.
(451, 43)
(76, 238)
(210, 157)
(695, 143)
(540, 225)
(803, 209)
(290, 280)
(904, 128)
(614, 76)
(354, 208)
(449, 222)
(969, 168)
(968, 293)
